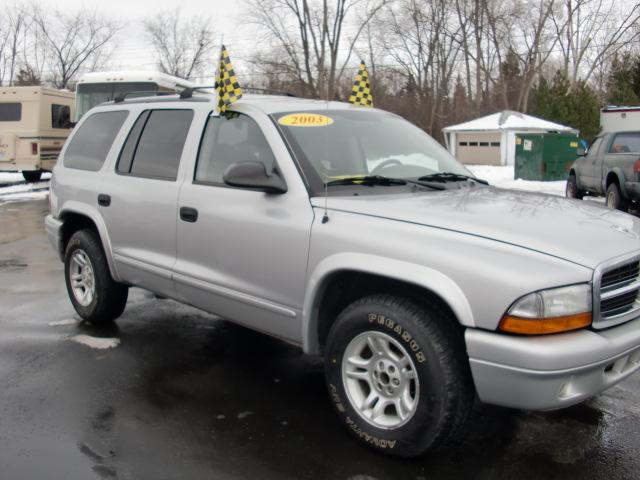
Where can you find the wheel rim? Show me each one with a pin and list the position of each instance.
(611, 200)
(82, 278)
(380, 379)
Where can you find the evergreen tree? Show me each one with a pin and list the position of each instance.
(26, 77)
(623, 83)
(577, 107)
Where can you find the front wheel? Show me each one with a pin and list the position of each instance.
(398, 375)
(615, 198)
(572, 190)
(96, 297)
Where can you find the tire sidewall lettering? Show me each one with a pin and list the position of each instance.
(393, 326)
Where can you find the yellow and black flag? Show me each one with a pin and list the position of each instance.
(361, 91)
(227, 85)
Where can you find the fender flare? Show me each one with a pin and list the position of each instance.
(72, 206)
(419, 275)
(617, 171)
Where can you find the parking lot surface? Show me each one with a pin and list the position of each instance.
(170, 392)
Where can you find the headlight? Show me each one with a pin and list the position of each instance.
(550, 311)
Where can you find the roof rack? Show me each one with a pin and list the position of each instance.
(188, 92)
(121, 97)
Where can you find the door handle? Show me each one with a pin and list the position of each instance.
(104, 200)
(188, 214)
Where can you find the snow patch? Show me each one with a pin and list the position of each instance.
(503, 177)
(17, 176)
(95, 342)
(66, 321)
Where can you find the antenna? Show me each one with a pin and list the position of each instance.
(325, 217)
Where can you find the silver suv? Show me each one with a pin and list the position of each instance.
(353, 234)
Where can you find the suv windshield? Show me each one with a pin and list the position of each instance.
(338, 144)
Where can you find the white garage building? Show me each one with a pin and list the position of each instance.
(491, 140)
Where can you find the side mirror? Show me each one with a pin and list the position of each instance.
(253, 175)
(581, 152)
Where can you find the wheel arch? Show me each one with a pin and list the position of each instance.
(342, 278)
(616, 176)
(77, 216)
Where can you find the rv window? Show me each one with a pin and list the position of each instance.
(91, 143)
(160, 146)
(10, 112)
(60, 116)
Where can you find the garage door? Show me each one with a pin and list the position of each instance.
(478, 148)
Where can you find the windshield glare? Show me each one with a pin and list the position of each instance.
(345, 143)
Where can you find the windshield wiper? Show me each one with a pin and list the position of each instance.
(450, 177)
(369, 180)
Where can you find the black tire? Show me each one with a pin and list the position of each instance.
(436, 347)
(110, 297)
(32, 176)
(572, 190)
(614, 198)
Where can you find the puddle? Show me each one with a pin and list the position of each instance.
(12, 264)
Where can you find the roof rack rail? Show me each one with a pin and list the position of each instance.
(188, 92)
(121, 97)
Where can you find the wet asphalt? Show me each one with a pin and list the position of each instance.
(185, 395)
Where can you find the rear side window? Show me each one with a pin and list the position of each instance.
(90, 145)
(10, 112)
(628, 142)
(155, 143)
(60, 116)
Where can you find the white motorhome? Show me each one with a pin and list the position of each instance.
(99, 87)
(619, 119)
(34, 124)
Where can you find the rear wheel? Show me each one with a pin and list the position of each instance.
(32, 176)
(398, 375)
(572, 190)
(615, 198)
(96, 297)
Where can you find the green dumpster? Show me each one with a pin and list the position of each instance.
(544, 156)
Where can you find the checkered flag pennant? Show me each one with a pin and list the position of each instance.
(227, 85)
(361, 91)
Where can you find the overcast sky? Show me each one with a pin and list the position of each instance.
(133, 52)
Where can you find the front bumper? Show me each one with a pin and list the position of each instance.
(53, 227)
(553, 371)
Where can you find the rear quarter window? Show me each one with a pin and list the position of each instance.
(90, 145)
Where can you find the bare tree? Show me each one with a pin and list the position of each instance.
(310, 38)
(13, 25)
(591, 31)
(181, 46)
(73, 41)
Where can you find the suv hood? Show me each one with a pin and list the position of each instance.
(579, 231)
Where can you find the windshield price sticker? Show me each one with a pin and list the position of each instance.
(305, 120)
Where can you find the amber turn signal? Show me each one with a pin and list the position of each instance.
(542, 326)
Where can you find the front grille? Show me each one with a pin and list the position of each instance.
(620, 276)
(49, 156)
(619, 294)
